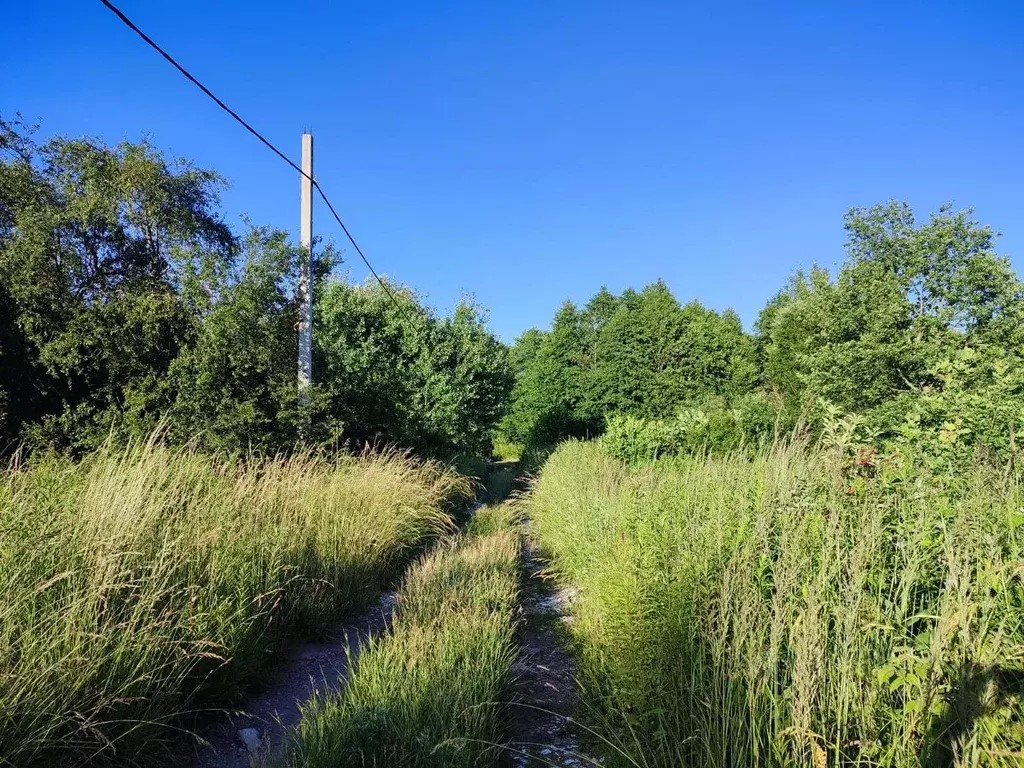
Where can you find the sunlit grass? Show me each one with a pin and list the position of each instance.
(146, 582)
(426, 693)
(738, 612)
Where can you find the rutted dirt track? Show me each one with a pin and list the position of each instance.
(540, 727)
(314, 668)
(539, 723)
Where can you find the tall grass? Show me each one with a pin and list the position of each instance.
(426, 693)
(769, 611)
(146, 582)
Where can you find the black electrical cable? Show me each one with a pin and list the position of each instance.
(149, 41)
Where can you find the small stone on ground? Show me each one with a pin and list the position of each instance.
(250, 738)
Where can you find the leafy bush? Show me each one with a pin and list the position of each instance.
(503, 449)
(976, 406)
(747, 422)
(909, 297)
(400, 374)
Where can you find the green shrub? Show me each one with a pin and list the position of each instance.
(503, 449)
(394, 371)
(976, 408)
(715, 425)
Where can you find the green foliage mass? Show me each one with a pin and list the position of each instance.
(791, 607)
(919, 334)
(641, 354)
(439, 383)
(748, 422)
(922, 327)
(127, 304)
(98, 247)
(235, 386)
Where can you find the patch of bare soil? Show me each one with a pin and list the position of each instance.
(257, 731)
(540, 727)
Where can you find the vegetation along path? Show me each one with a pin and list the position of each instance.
(425, 694)
(257, 732)
(541, 726)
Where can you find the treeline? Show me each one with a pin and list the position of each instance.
(127, 304)
(919, 337)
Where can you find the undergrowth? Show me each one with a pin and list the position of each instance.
(796, 608)
(144, 583)
(427, 692)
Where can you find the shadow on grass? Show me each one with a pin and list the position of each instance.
(980, 690)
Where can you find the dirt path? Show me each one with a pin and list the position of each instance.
(540, 728)
(314, 668)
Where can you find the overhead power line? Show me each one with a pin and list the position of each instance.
(152, 44)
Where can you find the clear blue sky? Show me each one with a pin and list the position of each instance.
(530, 152)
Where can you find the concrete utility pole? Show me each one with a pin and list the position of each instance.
(305, 291)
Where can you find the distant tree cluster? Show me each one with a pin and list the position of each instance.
(920, 336)
(127, 305)
(637, 353)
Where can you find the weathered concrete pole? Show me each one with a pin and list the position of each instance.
(305, 288)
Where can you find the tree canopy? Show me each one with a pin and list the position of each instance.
(636, 353)
(919, 334)
(127, 304)
(910, 301)
(399, 370)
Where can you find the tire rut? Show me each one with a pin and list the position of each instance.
(540, 727)
(257, 732)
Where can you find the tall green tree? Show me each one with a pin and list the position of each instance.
(97, 244)
(908, 297)
(397, 373)
(235, 387)
(550, 399)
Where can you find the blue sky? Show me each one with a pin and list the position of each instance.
(529, 152)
